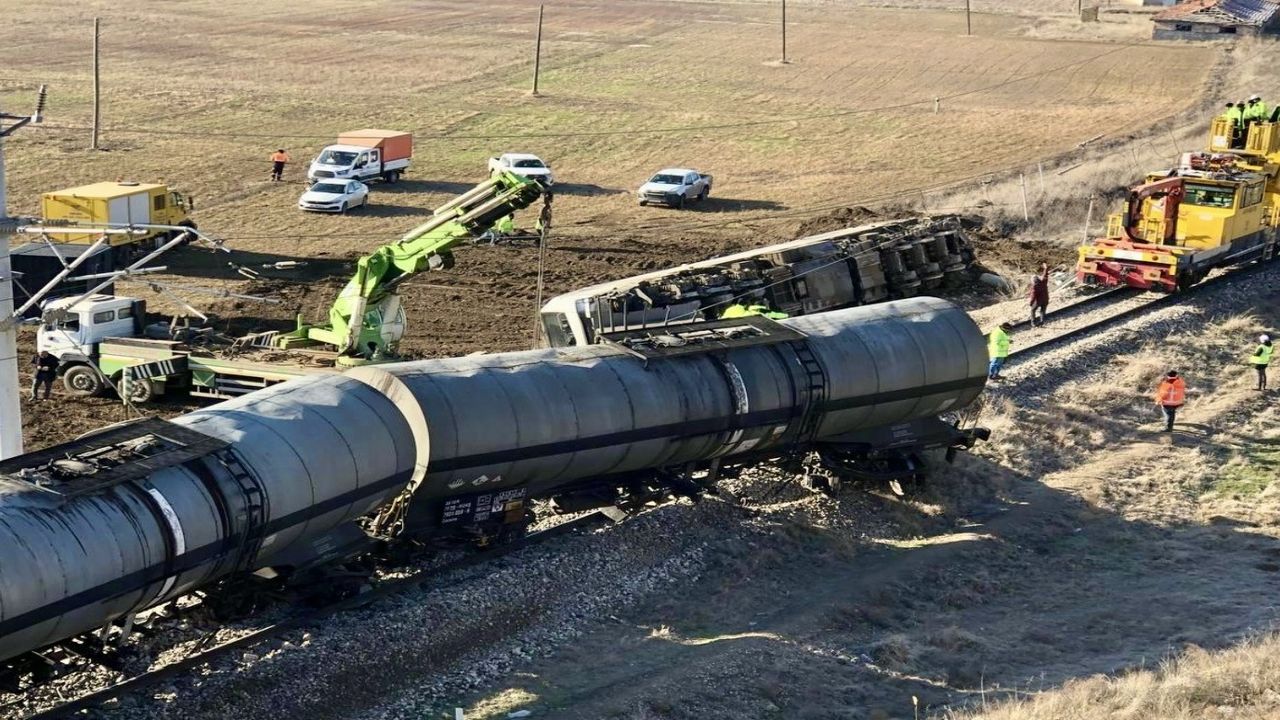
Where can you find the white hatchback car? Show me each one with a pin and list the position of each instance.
(335, 196)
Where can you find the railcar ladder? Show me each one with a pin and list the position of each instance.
(255, 509)
(811, 390)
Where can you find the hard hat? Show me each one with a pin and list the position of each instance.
(1264, 338)
(1172, 374)
(1254, 97)
(1006, 325)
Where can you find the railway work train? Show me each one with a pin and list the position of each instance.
(1215, 209)
(843, 268)
(319, 468)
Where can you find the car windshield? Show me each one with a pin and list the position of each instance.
(337, 157)
(666, 179)
(334, 188)
(530, 163)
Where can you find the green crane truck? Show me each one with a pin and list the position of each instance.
(104, 339)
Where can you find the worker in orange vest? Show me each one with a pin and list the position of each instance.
(1170, 396)
(278, 159)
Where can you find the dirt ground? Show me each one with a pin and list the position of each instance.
(197, 96)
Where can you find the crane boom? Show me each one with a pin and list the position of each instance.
(366, 318)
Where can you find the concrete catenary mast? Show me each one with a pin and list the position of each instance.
(10, 413)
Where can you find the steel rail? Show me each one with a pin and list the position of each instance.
(1160, 301)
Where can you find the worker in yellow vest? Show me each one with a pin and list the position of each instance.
(998, 350)
(1235, 113)
(1256, 111)
(1261, 358)
(739, 310)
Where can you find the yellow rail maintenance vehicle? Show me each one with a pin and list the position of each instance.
(119, 204)
(1215, 209)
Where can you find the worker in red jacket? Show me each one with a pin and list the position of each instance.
(1171, 395)
(1040, 294)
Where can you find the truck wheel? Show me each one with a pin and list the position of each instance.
(1187, 278)
(680, 203)
(393, 177)
(82, 380)
(140, 391)
(702, 194)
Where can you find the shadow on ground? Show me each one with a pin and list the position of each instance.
(725, 205)
(1021, 588)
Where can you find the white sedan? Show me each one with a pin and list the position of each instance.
(336, 196)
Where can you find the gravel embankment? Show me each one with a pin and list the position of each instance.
(417, 654)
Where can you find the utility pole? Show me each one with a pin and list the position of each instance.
(1022, 180)
(544, 225)
(784, 32)
(968, 21)
(97, 89)
(537, 53)
(1088, 219)
(10, 409)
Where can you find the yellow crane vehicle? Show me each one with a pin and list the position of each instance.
(1215, 209)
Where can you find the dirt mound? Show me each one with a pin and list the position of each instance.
(838, 220)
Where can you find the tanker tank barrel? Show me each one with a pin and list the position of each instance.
(313, 469)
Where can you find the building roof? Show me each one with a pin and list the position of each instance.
(1222, 12)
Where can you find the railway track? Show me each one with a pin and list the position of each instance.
(382, 589)
(1122, 304)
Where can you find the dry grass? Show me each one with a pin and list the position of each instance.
(1090, 414)
(454, 67)
(1071, 199)
(893, 652)
(1241, 682)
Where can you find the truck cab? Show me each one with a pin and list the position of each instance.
(346, 161)
(72, 329)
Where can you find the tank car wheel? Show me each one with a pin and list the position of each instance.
(82, 380)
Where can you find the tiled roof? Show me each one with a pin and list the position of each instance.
(1222, 12)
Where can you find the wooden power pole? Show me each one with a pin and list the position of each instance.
(968, 20)
(784, 31)
(537, 53)
(97, 88)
